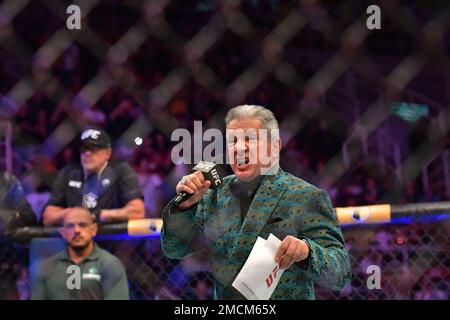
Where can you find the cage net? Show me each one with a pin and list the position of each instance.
(363, 114)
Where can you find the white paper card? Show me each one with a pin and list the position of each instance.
(260, 274)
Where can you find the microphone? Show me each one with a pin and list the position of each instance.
(211, 172)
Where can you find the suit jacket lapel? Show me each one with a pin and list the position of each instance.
(263, 205)
(226, 229)
(229, 211)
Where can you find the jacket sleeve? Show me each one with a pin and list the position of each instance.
(328, 263)
(180, 231)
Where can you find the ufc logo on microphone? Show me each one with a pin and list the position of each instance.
(272, 275)
(215, 175)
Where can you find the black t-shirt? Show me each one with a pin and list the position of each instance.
(113, 188)
(245, 191)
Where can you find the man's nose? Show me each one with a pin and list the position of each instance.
(241, 145)
(86, 153)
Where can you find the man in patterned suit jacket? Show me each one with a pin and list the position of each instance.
(258, 199)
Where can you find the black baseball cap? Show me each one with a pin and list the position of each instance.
(96, 138)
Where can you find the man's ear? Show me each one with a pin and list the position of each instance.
(280, 144)
(94, 229)
(109, 152)
(275, 147)
(61, 231)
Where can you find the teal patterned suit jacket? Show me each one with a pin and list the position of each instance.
(283, 205)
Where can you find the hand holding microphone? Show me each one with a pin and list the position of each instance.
(193, 187)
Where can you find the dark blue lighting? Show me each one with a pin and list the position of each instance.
(115, 237)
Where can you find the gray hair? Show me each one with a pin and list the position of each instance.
(264, 115)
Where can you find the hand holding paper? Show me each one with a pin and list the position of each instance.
(260, 274)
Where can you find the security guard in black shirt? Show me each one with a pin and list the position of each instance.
(109, 189)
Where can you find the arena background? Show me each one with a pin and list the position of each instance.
(364, 114)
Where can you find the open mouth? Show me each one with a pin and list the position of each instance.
(243, 163)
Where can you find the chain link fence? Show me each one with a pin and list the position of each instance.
(345, 97)
(413, 260)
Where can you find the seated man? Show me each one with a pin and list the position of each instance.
(109, 189)
(83, 271)
(15, 211)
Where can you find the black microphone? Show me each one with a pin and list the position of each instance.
(211, 172)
